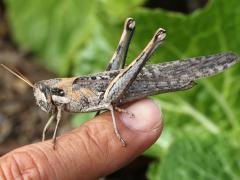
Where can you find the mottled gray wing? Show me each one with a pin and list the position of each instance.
(177, 75)
(194, 68)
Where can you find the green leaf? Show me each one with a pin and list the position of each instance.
(53, 29)
(200, 158)
(121, 9)
(81, 118)
(211, 104)
(66, 34)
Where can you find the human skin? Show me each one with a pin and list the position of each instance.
(90, 151)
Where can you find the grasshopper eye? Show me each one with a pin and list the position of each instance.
(58, 92)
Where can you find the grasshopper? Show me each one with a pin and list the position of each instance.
(119, 84)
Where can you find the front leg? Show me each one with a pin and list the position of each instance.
(59, 115)
(52, 117)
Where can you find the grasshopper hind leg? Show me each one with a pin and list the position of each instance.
(119, 85)
(118, 59)
(123, 80)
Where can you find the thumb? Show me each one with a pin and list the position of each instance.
(90, 151)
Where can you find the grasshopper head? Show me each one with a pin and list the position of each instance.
(48, 95)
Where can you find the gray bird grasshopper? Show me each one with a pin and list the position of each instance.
(119, 84)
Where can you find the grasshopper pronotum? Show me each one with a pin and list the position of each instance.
(119, 84)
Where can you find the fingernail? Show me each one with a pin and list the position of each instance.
(147, 116)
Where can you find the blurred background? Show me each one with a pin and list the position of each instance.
(50, 38)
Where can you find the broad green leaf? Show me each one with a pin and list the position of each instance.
(65, 34)
(212, 106)
(121, 9)
(81, 118)
(199, 158)
(54, 30)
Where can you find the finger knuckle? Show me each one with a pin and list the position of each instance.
(19, 165)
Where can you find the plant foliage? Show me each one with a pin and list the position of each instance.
(200, 139)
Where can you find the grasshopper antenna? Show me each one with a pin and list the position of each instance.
(17, 75)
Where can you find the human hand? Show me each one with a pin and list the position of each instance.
(90, 151)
